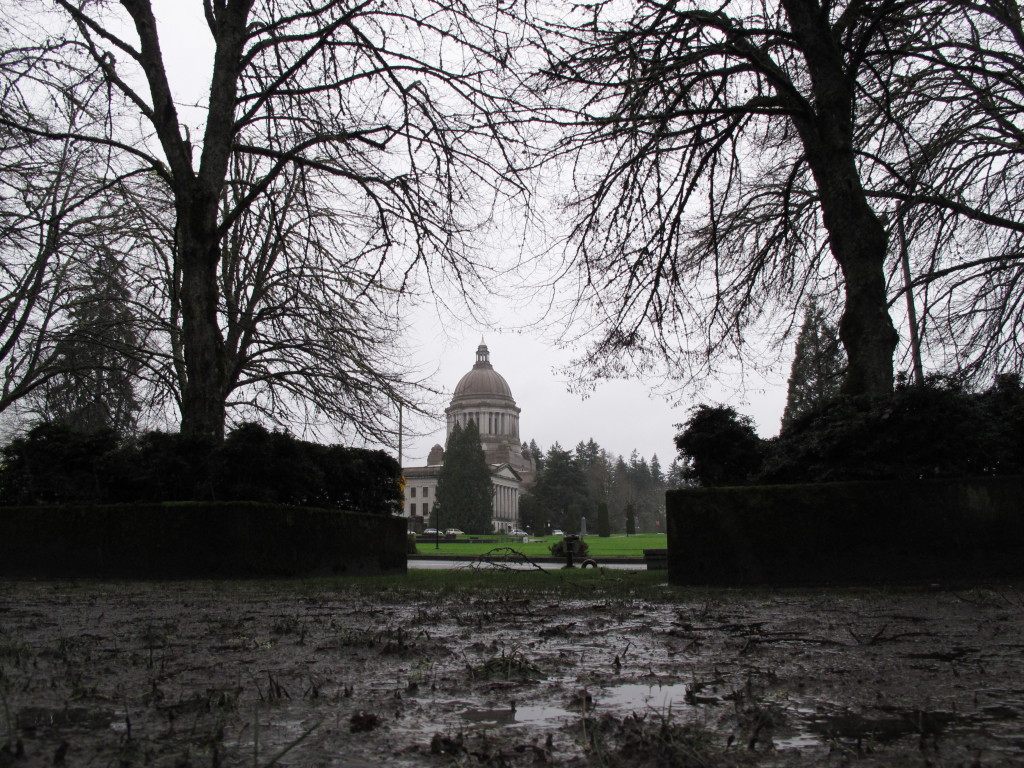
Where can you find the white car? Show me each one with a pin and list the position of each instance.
(431, 532)
(558, 532)
(517, 532)
(453, 532)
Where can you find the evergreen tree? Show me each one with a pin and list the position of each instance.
(574, 484)
(464, 483)
(718, 446)
(604, 528)
(98, 363)
(538, 455)
(819, 365)
(561, 489)
(630, 520)
(656, 475)
(596, 467)
(531, 515)
(676, 477)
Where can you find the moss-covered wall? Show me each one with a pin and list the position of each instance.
(857, 532)
(192, 540)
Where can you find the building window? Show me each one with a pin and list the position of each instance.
(426, 510)
(426, 491)
(413, 492)
(412, 509)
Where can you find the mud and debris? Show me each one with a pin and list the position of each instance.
(334, 674)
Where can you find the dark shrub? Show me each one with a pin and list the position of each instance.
(718, 446)
(254, 464)
(358, 478)
(160, 466)
(931, 431)
(54, 464)
(604, 526)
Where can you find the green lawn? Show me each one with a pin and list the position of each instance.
(613, 546)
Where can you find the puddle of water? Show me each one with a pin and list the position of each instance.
(629, 697)
(527, 715)
(643, 697)
(797, 741)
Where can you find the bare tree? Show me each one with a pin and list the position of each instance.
(734, 173)
(956, 179)
(310, 324)
(744, 145)
(380, 106)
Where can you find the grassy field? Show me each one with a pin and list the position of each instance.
(613, 546)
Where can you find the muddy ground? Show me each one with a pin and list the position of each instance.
(529, 673)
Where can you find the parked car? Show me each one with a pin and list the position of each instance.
(517, 532)
(558, 532)
(453, 532)
(431, 532)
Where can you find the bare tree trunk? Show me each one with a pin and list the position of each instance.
(203, 391)
(858, 242)
(915, 334)
(197, 197)
(857, 239)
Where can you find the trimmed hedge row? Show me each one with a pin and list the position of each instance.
(53, 464)
(850, 532)
(197, 540)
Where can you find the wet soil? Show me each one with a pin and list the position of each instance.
(309, 674)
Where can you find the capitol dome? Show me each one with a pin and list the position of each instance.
(483, 395)
(482, 381)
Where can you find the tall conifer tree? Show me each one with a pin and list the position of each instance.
(97, 361)
(604, 527)
(464, 490)
(819, 365)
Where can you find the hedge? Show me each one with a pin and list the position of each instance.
(850, 532)
(197, 540)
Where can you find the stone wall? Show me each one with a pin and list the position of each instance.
(857, 532)
(197, 540)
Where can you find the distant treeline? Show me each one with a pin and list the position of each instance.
(573, 484)
(53, 464)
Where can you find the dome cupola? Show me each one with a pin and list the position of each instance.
(482, 380)
(483, 396)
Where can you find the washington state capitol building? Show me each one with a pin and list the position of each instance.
(484, 396)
